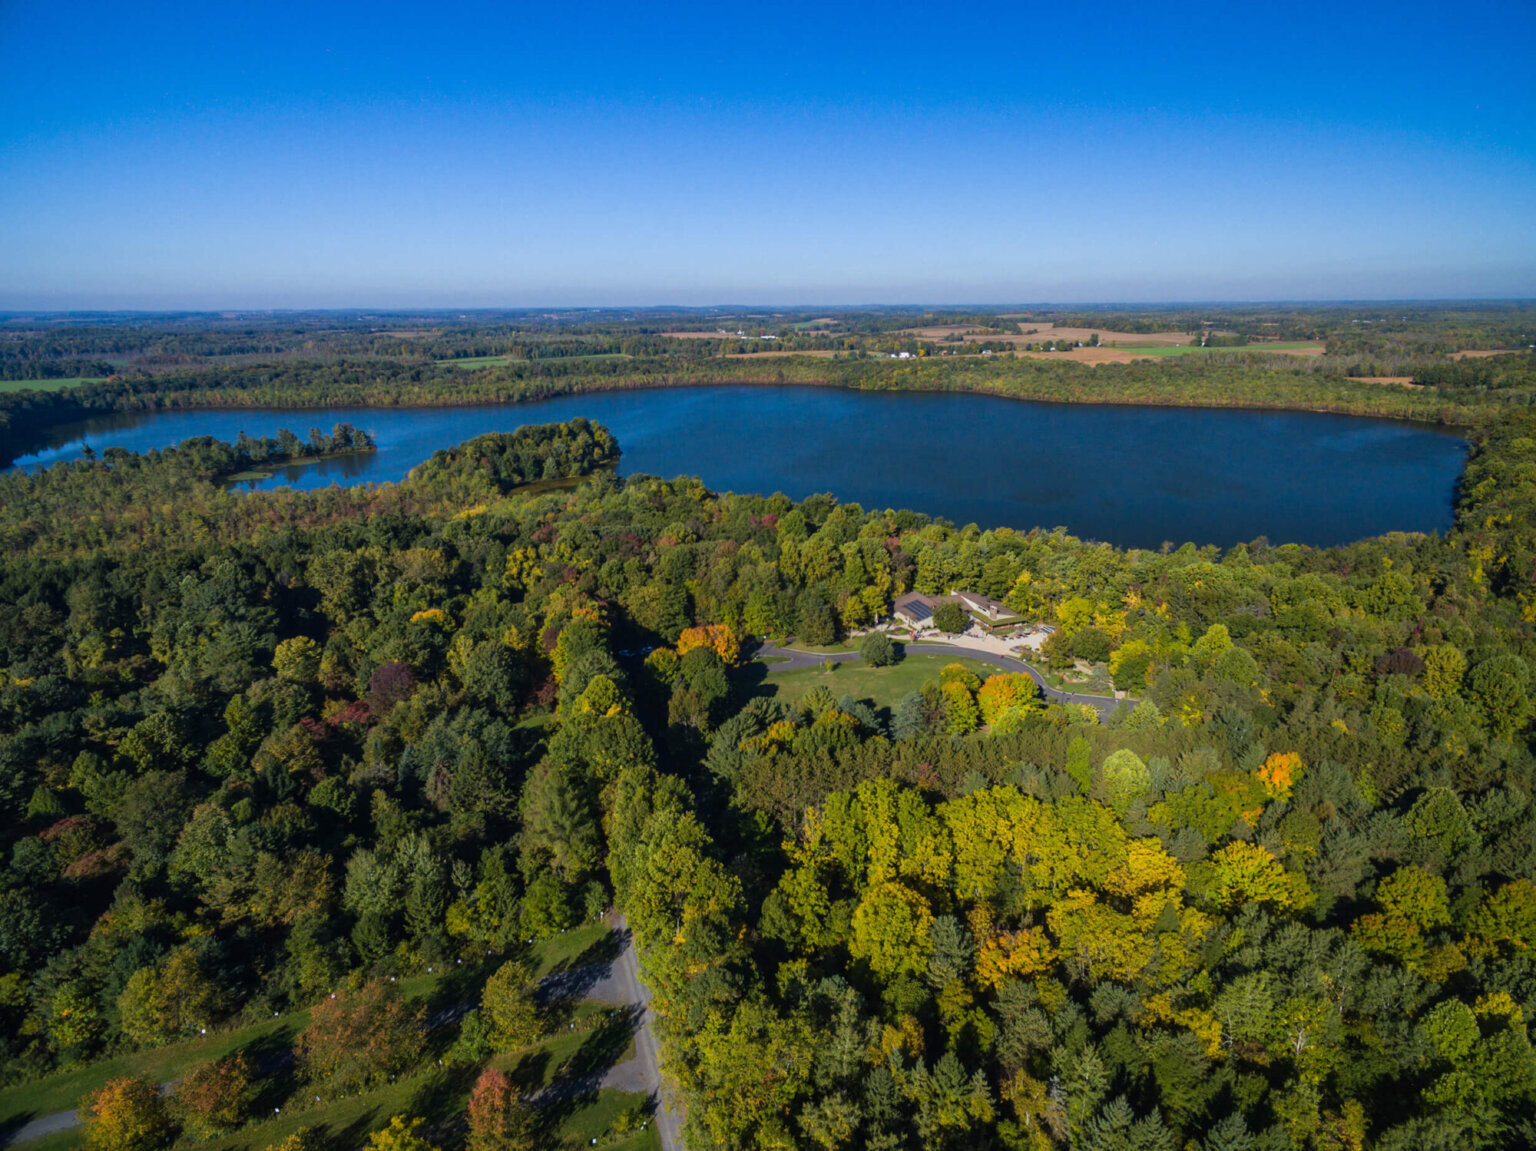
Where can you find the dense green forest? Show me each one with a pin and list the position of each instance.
(258, 750)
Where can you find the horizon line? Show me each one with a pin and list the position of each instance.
(441, 309)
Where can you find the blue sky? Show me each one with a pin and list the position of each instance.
(454, 154)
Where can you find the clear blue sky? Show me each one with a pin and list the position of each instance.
(157, 154)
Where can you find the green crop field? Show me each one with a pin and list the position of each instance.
(46, 385)
(882, 685)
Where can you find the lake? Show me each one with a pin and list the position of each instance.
(1132, 476)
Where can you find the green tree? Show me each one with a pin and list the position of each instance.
(508, 1002)
(1126, 779)
(402, 1134)
(877, 649)
(297, 661)
(892, 930)
(173, 999)
(951, 617)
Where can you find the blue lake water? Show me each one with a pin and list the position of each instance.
(1133, 476)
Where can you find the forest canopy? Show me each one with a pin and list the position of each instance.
(1285, 897)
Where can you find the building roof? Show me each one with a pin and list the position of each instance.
(982, 602)
(915, 606)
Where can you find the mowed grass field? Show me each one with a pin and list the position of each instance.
(46, 385)
(435, 1094)
(883, 686)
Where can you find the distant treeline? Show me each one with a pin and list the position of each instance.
(1460, 396)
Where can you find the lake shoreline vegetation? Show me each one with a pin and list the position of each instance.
(262, 751)
(326, 360)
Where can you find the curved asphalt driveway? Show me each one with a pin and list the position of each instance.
(796, 659)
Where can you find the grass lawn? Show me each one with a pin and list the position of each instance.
(46, 385)
(63, 1090)
(883, 685)
(1075, 682)
(568, 948)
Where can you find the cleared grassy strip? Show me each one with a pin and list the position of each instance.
(883, 685)
(46, 385)
(63, 1090)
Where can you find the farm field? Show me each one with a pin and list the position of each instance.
(47, 385)
(1044, 331)
(1299, 348)
(881, 685)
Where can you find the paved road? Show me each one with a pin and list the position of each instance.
(797, 659)
(617, 983)
(52, 1124)
(621, 985)
(47, 1125)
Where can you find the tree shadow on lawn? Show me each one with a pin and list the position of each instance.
(440, 1100)
(274, 1068)
(349, 1136)
(460, 985)
(580, 1078)
(568, 983)
(527, 1075)
(750, 680)
(14, 1124)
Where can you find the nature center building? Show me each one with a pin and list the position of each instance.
(916, 609)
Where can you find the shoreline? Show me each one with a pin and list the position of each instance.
(1244, 404)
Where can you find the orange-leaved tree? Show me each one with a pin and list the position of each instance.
(360, 1038)
(127, 1114)
(498, 1118)
(719, 636)
(212, 1097)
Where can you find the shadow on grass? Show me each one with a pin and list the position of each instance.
(440, 1100)
(750, 680)
(273, 1066)
(460, 985)
(529, 1072)
(572, 981)
(349, 1136)
(15, 1123)
(580, 1078)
